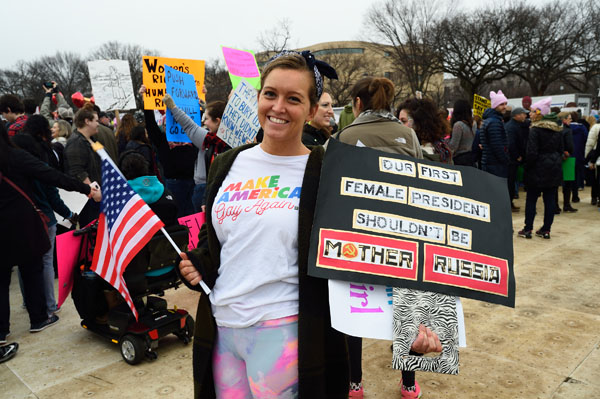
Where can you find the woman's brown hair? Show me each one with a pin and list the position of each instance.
(374, 93)
(126, 124)
(427, 122)
(295, 62)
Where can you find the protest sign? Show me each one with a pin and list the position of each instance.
(194, 223)
(241, 64)
(480, 104)
(67, 255)
(74, 201)
(111, 84)
(239, 124)
(393, 220)
(153, 77)
(182, 88)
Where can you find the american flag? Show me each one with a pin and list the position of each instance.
(125, 225)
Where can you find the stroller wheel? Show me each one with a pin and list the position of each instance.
(187, 332)
(132, 349)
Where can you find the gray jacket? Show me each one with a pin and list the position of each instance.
(197, 135)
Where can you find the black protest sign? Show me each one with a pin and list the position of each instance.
(394, 220)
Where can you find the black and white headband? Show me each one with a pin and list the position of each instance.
(320, 68)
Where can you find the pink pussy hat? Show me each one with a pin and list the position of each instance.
(543, 105)
(497, 98)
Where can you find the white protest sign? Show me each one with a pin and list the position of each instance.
(365, 310)
(111, 84)
(239, 124)
(74, 201)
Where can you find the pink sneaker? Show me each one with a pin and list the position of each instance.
(356, 391)
(411, 394)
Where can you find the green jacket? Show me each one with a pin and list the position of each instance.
(346, 117)
(323, 368)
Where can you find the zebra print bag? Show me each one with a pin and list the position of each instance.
(436, 311)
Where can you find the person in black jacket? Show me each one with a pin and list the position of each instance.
(177, 160)
(318, 131)
(35, 138)
(569, 186)
(515, 128)
(23, 239)
(543, 168)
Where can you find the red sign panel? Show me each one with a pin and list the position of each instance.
(367, 254)
(466, 269)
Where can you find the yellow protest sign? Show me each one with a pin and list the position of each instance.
(480, 104)
(153, 77)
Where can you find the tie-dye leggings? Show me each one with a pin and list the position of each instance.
(259, 361)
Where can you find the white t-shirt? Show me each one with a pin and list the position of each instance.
(255, 216)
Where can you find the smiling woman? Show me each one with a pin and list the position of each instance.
(263, 330)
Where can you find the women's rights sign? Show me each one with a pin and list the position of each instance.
(388, 219)
(182, 88)
(241, 64)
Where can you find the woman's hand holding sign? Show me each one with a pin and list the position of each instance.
(427, 341)
(188, 271)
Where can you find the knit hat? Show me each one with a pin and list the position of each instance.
(543, 105)
(65, 112)
(550, 117)
(518, 111)
(497, 98)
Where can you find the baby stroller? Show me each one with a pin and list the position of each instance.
(150, 273)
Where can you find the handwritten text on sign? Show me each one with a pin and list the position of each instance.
(239, 124)
(181, 87)
(153, 77)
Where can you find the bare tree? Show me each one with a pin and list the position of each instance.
(132, 53)
(479, 47)
(216, 81)
(409, 27)
(350, 68)
(587, 54)
(274, 40)
(550, 39)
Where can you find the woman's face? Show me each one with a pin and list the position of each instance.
(212, 124)
(405, 118)
(324, 112)
(55, 129)
(284, 105)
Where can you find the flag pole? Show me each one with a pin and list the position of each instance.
(97, 147)
(202, 283)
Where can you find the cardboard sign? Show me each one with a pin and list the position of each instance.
(67, 255)
(74, 201)
(111, 84)
(480, 104)
(239, 124)
(241, 64)
(182, 88)
(389, 219)
(194, 223)
(153, 77)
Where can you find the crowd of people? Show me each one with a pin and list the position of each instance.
(262, 331)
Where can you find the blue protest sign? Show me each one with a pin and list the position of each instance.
(182, 88)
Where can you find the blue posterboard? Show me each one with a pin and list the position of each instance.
(182, 88)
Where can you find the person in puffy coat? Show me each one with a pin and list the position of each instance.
(543, 167)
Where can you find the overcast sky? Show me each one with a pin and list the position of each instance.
(177, 28)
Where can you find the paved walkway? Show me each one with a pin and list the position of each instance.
(547, 347)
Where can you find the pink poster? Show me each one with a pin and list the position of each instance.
(240, 63)
(67, 252)
(194, 223)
